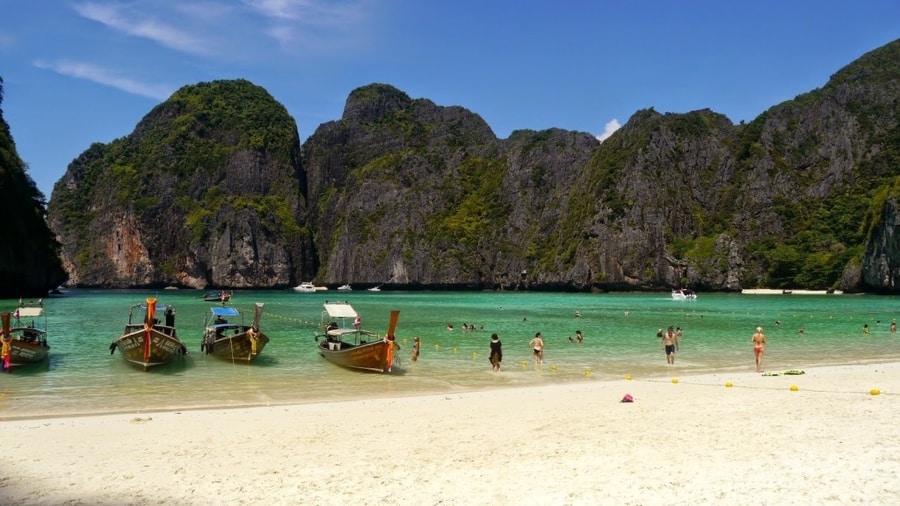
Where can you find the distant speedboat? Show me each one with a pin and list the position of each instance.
(345, 287)
(684, 294)
(375, 288)
(305, 288)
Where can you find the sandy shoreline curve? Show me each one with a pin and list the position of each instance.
(686, 440)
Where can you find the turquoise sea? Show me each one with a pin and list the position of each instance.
(619, 339)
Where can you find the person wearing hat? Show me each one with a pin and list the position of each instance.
(496, 352)
(759, 344)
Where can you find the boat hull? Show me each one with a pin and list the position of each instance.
(238, 347)
(22, 353)
(367, 356)
(163, 346)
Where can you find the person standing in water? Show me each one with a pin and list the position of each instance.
(670, 345)
(416, 347)
(496, 352)
(537, 345)
(759, 345)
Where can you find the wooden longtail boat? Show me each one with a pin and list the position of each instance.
(233, 340)
(24, 342)
(148, 343)
(352, 347)
(220, 296)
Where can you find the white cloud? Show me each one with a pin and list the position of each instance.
(136, 25)
(609, 129)
(230, 29)
(94, 73)
(309, 22)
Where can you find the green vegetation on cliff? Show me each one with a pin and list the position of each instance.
(29, 254)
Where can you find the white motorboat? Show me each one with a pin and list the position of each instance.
(684, 294)
(305, 288)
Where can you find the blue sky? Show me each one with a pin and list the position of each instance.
(78, 72)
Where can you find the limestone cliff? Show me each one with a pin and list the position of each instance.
(213, 189)
(206, 192)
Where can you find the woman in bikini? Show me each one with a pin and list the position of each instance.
(537, 345)
(759, 345)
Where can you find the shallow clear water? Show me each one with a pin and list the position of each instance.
(620, 338)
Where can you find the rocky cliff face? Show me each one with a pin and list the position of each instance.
(206, 192)
(210, 191)
(29, 254)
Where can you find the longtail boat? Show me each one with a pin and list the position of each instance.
(149, 343)
(227, 337)
(349, 346)
(24, 341)
(218, 296)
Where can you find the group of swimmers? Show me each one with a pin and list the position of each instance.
(466, 327)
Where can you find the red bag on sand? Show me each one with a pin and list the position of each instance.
(627, 398)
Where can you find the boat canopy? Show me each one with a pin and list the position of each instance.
(30, 312)
(340, 310)
(224, 311)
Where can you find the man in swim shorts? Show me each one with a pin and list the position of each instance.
(759, 344)
(670, 344)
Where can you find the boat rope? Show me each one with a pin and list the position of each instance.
(291, 319)
(731, 384)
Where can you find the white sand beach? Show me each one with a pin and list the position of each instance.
(692, 442)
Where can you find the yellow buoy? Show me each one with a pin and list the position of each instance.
(437, 346)
(875, 391)
(674, 380)
(587, 372)
(794, 388)
(728, 384)
(454, 349)
(474, 354)
(524, 363)
(628, 377)
(553, 368)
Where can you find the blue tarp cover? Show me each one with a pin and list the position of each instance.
(224, 311)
